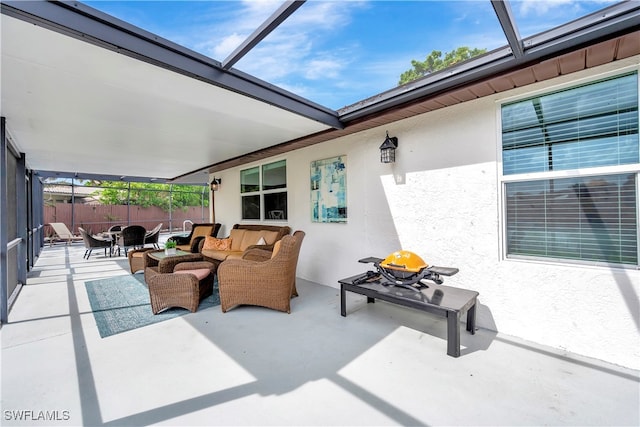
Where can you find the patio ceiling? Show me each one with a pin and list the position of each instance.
(87, 94)
(74, 106)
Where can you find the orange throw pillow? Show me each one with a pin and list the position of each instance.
(211, 243)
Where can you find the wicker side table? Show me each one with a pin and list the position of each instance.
(159, 262)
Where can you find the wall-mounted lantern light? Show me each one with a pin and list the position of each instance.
(388, 149)
(215, 184)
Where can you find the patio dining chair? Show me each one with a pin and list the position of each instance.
(152, 236)
(115, 228)
(93, 242)
(131, 236)
(114, 233)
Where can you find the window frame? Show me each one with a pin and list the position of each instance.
(503, 180)
(262, 192)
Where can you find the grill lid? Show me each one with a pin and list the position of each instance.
(403, 264)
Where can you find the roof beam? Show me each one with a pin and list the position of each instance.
(80, 21)
(262, 31)
(505, 16)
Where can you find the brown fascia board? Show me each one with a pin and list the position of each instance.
(585, 57)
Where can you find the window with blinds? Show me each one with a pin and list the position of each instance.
(588, 211)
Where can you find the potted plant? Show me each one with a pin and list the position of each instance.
(170, 247)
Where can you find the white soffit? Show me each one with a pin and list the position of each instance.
(76, 107)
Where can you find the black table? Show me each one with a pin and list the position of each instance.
(113, 236)
(444, 301)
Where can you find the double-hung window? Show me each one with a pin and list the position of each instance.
(570, 162)
(264, 191)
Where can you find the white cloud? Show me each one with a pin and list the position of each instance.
(541, 7)
(225, 27)
(277, 58)
(294, 48)
(223, 30)
(323, 69)
(324, 16)
(252, 13)
(558, 7)
(227, 45)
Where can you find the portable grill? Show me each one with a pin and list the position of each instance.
(405, 269)
(402, 268)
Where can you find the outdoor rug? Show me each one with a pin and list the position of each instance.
(122, 303)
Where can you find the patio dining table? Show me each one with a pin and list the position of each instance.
(114, 236)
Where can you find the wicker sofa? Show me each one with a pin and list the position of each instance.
(245, 237)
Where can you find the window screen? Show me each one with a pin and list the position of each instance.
(589, 126)
(581, 213)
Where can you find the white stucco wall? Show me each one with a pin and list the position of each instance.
(441, 200)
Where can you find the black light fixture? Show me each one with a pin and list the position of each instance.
(388, 149)
(215, 184)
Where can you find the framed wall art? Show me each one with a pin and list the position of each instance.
(329, 190)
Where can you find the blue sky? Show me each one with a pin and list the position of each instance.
(337, 53)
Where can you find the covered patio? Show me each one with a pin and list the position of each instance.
(88, 96)
(382, 365)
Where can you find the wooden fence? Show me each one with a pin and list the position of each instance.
(98, 218)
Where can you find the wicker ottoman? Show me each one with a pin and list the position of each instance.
(185, 287)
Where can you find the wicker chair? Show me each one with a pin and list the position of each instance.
(93, 242)
(131, 236)
(198, 232)
(185, 287)
(137, 260)
(269, 283)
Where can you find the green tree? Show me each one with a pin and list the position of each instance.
(435, 62)
(147, 194)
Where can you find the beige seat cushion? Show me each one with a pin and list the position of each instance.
(235, 255)
(201, 231)
(219, 255)
(236, 236)
(269, 236)
(252, 237)
(200, 273)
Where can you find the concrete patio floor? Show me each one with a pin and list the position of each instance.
(381, 365)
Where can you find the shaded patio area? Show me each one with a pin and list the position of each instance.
(381, 365)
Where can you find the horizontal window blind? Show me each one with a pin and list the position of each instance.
(589, 219)
(588, 126)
